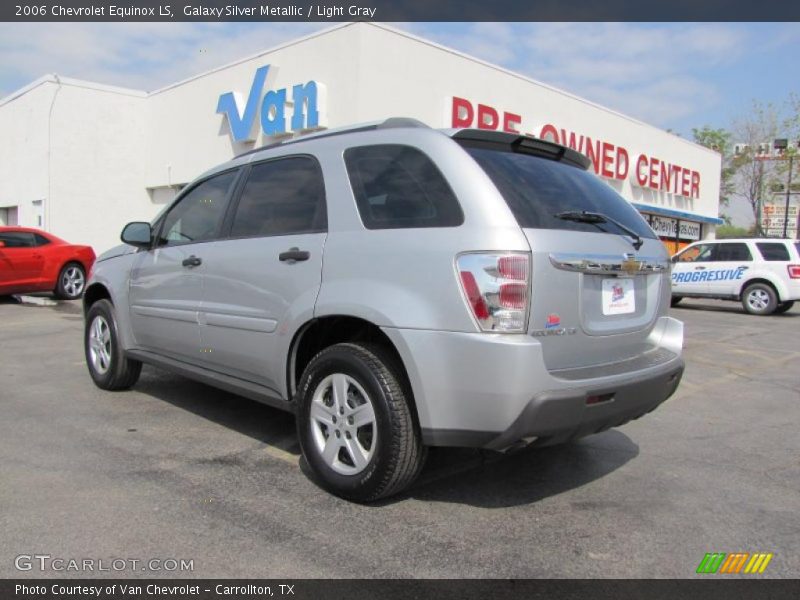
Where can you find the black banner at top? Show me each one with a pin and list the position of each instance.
(397, 10)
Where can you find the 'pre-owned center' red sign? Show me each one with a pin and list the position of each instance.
(608, 160)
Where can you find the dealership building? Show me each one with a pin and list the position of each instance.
(80, 159)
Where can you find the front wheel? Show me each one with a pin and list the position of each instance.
(71, 282)
(355, 423)
(784, 306)
(759, 299)
(105, 357)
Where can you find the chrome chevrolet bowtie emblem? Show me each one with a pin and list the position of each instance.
(630, 265)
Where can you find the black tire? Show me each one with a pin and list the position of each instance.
(397, 452)
(759, 299)
(66, 286)
(675, 300)
(120, 372)
(784, 306)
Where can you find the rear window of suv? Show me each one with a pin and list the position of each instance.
(398, 186)
(772, 251)
(537, 188)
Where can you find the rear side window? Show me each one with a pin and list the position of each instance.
(17, 239)
(398, 186)
(41, 240)
(282, 197)
(538, 188)
(772, 251)
(728, 252)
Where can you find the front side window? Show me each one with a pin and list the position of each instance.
(17, 239)
(699, 253)
(399, 187)
(772, 251)
(282, 197)
(198, 215)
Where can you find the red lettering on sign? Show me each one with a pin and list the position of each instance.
(608, 160)
(695, 184)
(641, 174)
(549, 132)
(666, 176)
(593, 154)
(487, 117)
(685, 173)
(462, 113)
(510, 122)
(622, 163)
(653, 182)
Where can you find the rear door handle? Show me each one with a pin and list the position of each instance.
(294, 254)
(192, 261)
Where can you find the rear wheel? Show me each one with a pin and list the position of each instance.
(105, 358)
(355, 423)
(783, 307)
(675, 300)
(759, 299)
(71, 282)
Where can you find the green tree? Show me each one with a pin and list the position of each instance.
(719, 140)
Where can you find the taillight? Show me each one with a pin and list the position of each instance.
(794, 271)
(496, 287)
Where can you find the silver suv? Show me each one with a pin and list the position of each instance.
(398, 287)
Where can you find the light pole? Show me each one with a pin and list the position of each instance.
(783, 144)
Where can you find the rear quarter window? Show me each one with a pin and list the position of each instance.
(772, 251)
(397, 187)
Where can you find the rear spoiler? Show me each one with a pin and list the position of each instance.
(526, 145)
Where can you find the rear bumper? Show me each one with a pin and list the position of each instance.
(493, 391)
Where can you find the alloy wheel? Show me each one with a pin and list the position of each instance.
(100, 345)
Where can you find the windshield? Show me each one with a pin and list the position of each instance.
(537, 189)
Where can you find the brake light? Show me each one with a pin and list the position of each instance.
(794, 271)
(496, 288)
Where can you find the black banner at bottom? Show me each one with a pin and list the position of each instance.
(712, 588)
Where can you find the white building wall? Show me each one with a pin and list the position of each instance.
(97, 165)
(23, 151)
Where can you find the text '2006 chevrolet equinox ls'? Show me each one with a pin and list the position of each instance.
(398, 287)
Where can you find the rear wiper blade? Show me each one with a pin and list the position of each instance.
(584, 216)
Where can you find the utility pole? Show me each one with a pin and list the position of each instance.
(788, 196)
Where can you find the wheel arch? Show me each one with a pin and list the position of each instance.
(762, 280)
(93, 293)
(320, 333)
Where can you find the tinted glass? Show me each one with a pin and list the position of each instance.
(537, 188)
(17, 239)
(40, 239)
(732, 252)
(398, 186)
(281, 197)
(198, 215)
(772, 251)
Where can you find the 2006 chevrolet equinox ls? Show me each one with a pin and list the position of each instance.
(398, 287)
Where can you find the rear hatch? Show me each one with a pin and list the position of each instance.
(598, 273)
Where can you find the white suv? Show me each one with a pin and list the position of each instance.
(764, 274)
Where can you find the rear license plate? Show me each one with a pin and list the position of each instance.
(618, 296)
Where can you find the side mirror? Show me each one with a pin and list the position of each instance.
(674, 258)
(138, 234)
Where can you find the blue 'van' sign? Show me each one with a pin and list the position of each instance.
(307, 108)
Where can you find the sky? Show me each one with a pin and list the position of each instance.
(674, 76)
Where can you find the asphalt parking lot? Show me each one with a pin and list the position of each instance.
(175, 469)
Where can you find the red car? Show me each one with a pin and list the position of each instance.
(36, 261)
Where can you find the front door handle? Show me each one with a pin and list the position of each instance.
(192, 261)
(294, 254)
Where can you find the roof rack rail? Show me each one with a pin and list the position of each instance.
(390, 123)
